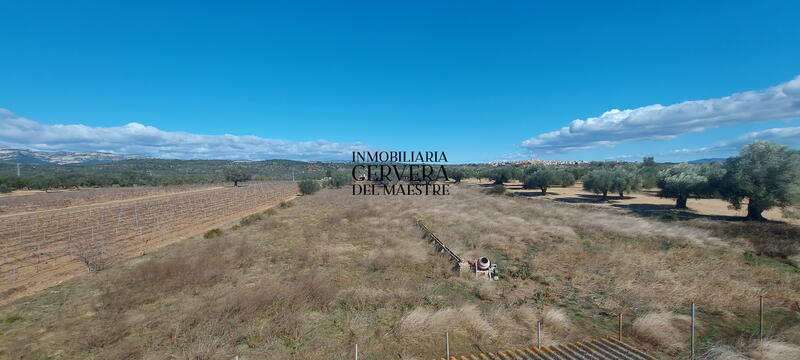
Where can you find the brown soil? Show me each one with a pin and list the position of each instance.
(645, 202)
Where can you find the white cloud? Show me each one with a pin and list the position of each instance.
(789, 136)
(658, 122)
(135, 138)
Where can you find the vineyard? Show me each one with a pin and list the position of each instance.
(41, 247)
(36, 201)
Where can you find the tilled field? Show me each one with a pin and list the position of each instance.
(40, 248)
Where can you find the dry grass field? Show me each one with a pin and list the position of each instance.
(311, 280)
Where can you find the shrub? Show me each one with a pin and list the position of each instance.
(12, 319)
(4, 189)
(210, 234)
(520, 271)
(497, 190)
(308, 187)
(284, 205)
(250, 220)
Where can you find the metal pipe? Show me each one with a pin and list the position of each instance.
(356, 351)
(539, 334)
(619, 336)
(447, 345)
(761, 318)
(692, 331)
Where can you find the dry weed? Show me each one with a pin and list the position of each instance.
(723, 352)
(775, 350)
(664, 329)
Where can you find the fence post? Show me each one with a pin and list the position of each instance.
(539, 334)
(447, 344)
(761, 318)
(692, 331)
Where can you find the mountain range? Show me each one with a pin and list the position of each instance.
(22, 156)
(33, 157)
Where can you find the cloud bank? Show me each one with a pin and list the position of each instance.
(135, 138)
(658, 122)
(789, 136)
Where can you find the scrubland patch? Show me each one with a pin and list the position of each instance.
(311, 280)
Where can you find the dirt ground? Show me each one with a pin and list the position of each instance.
(645, 202)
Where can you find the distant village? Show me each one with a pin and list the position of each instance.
(536, 161)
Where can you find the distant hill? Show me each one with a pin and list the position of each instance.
(703, 161)
(37, 174)
(22, 156)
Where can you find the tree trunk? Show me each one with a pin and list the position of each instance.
(605, 195)
(544, 190)
(680, 203)
(235, 183)
(620, 195)
(753, 212)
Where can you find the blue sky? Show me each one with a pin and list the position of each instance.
(314, 80)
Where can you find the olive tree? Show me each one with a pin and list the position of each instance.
(616, 179)
(541, 180)
(236, 174)
(648, 172)
(683, 181)
(500, 175)
(544, 177)
(339, 179)
(600, 181)
(626, 180)
(457, 174)
(766, 174)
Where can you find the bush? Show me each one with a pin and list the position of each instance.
(4, 189)
(497, 190)
(249, 220)
(308, 187)
(210, 234)
(12, 319)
